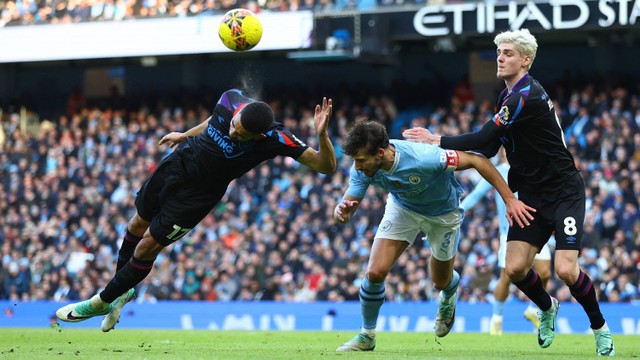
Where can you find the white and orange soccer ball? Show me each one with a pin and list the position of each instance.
(240, 30)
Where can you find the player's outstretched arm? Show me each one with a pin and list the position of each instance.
(346, 208)
(516, 209)
(174, 138)
(324, 159)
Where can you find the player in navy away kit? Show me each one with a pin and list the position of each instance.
(544, 174)
(187, 184)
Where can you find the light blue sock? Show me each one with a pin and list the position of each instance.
(498, 306)
(371, 299)
(451, 288)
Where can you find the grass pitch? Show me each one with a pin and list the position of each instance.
(65, 343)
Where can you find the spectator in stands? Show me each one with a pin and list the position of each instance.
(189, 183)
(104, 169)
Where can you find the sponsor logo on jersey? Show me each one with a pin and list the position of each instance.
(229, 147)
(502, 117)
(415, 179)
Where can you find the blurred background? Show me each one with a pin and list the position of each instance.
(88, 87)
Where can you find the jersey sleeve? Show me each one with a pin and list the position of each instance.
(485, 138)
(358, 183)
(283, 142)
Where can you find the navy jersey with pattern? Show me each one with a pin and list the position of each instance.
(533, 139)
(226, 159)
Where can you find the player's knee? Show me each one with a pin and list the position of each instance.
(137, 225)
(376, 275)
(148, 248)
(516, 271)
(568, 273)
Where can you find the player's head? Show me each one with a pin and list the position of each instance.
(366, 143)
(254, 119)
(519, 48)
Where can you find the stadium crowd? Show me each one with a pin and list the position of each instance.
(67, 190)
(31, 12)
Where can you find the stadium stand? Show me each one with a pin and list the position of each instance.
(67, 190)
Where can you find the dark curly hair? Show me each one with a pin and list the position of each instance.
(256, 117)
(365, 134)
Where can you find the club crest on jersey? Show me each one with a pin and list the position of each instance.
(414, 179)
(503, 115)
(385, 226)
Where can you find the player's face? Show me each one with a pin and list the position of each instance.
(510, 62)
(368, 163)
(237, 132)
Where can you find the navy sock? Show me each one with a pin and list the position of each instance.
(531, 286)
(585, 294)
(126, 250)
(129, 276)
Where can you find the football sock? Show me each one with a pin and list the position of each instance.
(532, 287)
(585, 294)
(130, 275)
(498, 306)
(371, 298)
(126, 250)
(450, 289)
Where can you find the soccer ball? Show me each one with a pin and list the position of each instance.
(240, 30)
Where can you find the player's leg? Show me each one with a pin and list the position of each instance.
(501, 290)
(136, 228)
(522, 246)
(444, 236)
(541, 265)
(147, 203)
(384, 253)
(500, 295)
(569, 229)
(392, 238)
(519, 261)
(147, 206)
(184, 208)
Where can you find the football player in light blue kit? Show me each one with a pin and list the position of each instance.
(541, 262)
(423, 196)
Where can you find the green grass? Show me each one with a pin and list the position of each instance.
(64, 343)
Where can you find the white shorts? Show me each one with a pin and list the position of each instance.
(544, 254)
(441, 232)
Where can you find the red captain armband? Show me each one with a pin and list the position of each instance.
(453, 160)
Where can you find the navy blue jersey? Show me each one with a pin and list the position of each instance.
(526, 125)
(533, 138)
(222, 158)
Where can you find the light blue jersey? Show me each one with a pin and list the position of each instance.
(481, 189)
(421, 179)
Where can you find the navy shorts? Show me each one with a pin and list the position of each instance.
(175, 202)
(561, 212)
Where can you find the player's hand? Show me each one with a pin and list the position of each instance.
(173, 139)
(322, 115)
(418, 134)
(344, 210)
(520, 212)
